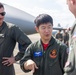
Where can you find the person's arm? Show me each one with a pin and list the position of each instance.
(17, 36)
(63, 56)
(69, 66)
(22, 39)
(27, 56)
(26, 63)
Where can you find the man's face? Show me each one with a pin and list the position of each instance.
(45, 31)
(1, 16)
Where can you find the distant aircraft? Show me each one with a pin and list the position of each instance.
(55, 29)
(59, 27)
(22, 19)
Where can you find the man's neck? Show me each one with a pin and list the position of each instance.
(45, 41)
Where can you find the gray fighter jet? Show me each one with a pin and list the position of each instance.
(22, 19)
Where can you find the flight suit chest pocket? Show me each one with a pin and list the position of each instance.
(2, 37)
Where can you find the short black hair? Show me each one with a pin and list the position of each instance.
(1, 5)
(43, 18)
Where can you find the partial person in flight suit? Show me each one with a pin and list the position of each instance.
(70, 67)
(59, 35)
(66, 37)
(9, 35)
(47, 56)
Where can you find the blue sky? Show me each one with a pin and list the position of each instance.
(58, 9)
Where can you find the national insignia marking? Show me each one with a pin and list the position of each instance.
(53, 54)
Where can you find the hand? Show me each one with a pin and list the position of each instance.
(30, 65)
(8, 61)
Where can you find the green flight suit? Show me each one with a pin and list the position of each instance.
(9, 35)
(50, 61)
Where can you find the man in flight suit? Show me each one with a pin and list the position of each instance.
(59, 35)
(70, 67)
(66, 37)
(9, 35)
(46, 56)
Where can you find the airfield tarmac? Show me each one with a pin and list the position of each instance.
(18, 71)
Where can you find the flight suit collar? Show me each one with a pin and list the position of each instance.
(3, 25)
(51, 42)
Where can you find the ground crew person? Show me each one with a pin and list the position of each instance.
(9, 35)
(66, 37)
(70, 66)
(46, 56)
(59, 35)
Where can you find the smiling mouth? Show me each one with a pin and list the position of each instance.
(47, 35)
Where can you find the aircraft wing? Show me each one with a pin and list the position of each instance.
(56, 28)
(20, 18)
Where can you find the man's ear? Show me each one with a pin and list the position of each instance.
(36, 28)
